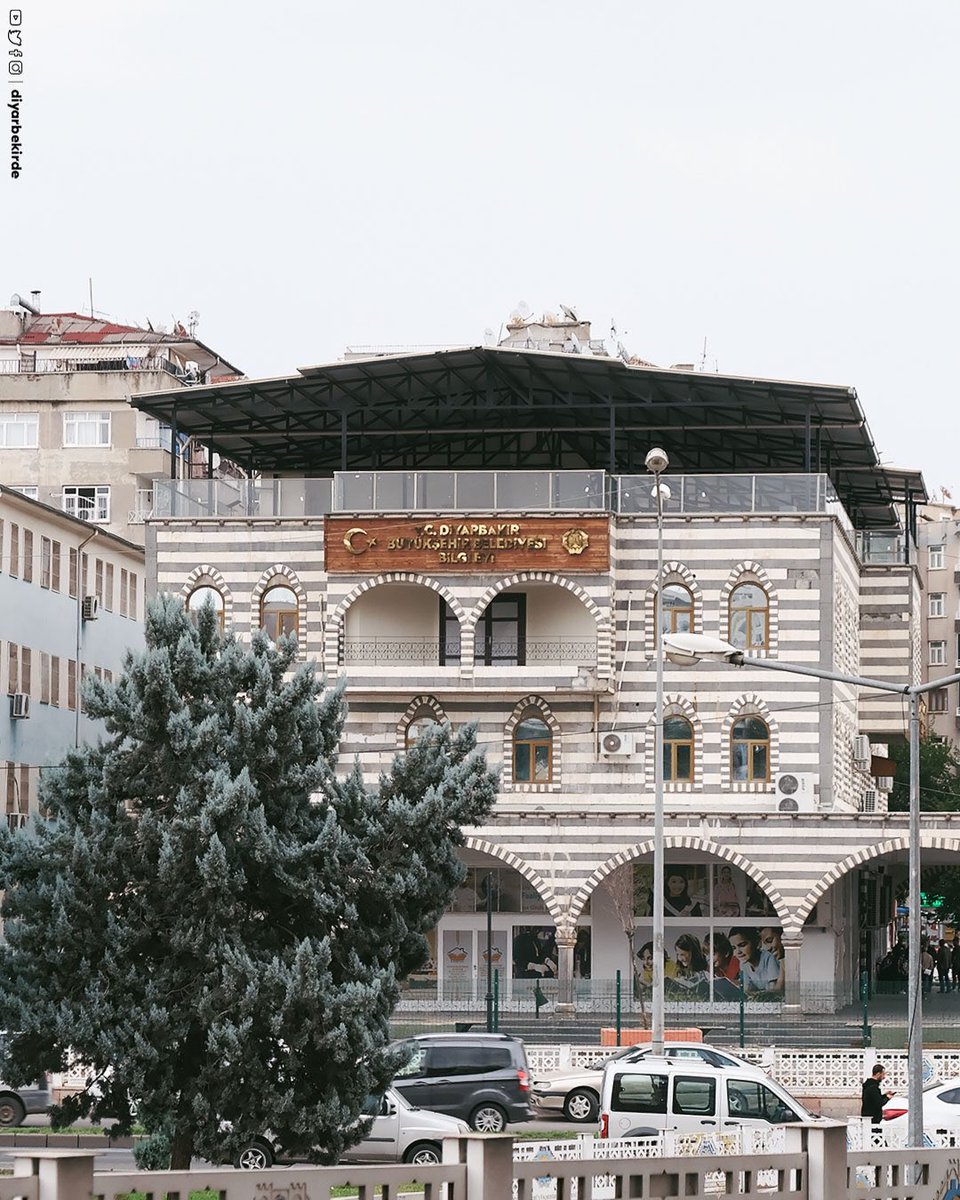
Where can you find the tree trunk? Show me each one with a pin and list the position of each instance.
(181, 1150)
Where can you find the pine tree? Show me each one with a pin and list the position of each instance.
(210, 918)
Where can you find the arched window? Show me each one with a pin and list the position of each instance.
(532, 750)
(677, 750)
(750, 750)
(204, 595)
(419, 723)
(279, 613)
(677, 609)
(749, 627)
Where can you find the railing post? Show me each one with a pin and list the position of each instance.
(865, 1002)
(496, 1002)
(61, 1174)
(489, 1161)
(619, 1013)
(825, 1146)
(743, 1019)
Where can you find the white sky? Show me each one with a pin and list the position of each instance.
(780, 179)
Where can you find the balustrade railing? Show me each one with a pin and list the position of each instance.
(425, 651)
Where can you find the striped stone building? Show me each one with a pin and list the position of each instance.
(517, 587)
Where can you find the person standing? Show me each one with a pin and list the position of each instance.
(926, 970)
(944, 963)
(955, 963)
(872, 1098)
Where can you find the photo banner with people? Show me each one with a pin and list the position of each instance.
(721, 936)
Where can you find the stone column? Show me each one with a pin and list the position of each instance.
(792, 942)
(566, 940)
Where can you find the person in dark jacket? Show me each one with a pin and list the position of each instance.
(944, 963)
(873, 1099)
(955, 964)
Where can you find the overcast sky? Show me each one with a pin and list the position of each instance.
(778, 179)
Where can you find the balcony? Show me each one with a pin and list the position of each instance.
(885, 547)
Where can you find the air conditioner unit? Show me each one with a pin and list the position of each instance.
(870, 801)
(19, 706)
(795, 791)
(885, 783)
(861, 750)
(798, 785)
(90, 609)
(614, 744)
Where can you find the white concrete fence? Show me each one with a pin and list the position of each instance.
(814, 1164)
(803, 1072)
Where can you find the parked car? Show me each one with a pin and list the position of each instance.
(398, 1133)
(941, 1105)
(576, 1093)
(642, 1099)
(482, 1078)
(15, 1103)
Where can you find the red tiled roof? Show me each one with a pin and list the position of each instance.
(74, 328)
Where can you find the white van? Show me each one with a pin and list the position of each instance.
(642, 1099)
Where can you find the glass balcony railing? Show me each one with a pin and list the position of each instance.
(506, 491)
(885, 547)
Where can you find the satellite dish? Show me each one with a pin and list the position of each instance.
(569, 313)
(523, 310)
(488, 336)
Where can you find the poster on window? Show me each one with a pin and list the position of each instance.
(581, 954)
(699, 890)
(686, 891)
(534, 952)
(713, 961)
(457, 954)
(496, 954)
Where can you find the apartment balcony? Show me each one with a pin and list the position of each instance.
(549, 664)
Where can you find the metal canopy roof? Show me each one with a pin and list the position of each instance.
(480, 407)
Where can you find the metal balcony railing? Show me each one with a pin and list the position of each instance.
(423, 651)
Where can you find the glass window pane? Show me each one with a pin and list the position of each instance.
(677, 728)
(759, 762)
(758, 630)
(542, 764)
(667, 762)
(521, 763)
(750, 728)
(532, 729)
(748, 595)
(738, 629)
(738, 760)
(684, 762)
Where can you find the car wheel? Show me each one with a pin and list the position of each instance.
(582, 1106)
(423, 1153)
(12, 1111)
(488, 1118)
(256, 1157)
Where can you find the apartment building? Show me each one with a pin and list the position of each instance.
(938, 536)
(68, 435)
(71, 600)
(470, 535)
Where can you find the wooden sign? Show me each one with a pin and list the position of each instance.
(455, 545)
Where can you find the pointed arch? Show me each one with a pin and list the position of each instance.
(419, 706)
(601, 620)
(207, 575)
(751, 571)
(897, 845)
(555, 905)
(682, 842)
(526, 707)
(750, 705)
(673, 572)
(333, 630)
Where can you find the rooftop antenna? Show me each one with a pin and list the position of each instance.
(703, 356)
(90, 284)
(193, 319)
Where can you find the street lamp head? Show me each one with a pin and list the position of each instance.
(656, 460)
(687, 649)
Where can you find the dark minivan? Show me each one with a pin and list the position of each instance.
(482, 1078)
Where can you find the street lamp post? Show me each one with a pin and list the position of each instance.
(690, 648)
(657, 462)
